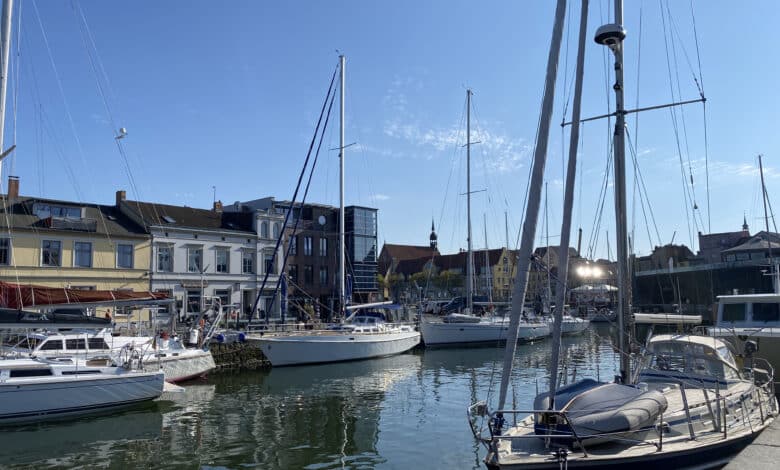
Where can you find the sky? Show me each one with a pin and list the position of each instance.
(221, 99)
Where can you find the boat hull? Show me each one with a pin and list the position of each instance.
(291, 350)
(60, 397)
(438, 334)
(184, 365)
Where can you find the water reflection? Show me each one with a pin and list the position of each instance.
(388, 413)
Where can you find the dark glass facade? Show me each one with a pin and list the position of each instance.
(360, 224)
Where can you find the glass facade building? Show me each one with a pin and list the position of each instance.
(360, 225)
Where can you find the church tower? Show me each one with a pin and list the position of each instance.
(745, 230)
(434, 239)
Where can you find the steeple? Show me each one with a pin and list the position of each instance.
(745, 226)
(433, 237)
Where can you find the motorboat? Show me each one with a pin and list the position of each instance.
(36, 389)
(750, 317)
(178, 361)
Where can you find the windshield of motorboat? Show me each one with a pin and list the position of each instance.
(368, 317)
(28, 343)
(691, 359)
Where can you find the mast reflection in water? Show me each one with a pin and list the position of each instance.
(382, 413)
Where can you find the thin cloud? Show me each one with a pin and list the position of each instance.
(381, 197)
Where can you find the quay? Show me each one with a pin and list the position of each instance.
(764, 452)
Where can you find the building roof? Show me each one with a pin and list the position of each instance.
(97, 219)
(153, 214)
(762, 241)
(402, 252)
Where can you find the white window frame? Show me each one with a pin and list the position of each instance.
(217, 251)
(191, 249)
(164, 246)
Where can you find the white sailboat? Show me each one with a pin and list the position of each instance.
(367, 333)
(466, 328)
(686, 403)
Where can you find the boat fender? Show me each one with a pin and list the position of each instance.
(220, 338)
(241, 337)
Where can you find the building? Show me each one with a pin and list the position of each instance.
(199, 253)
(360, 226)
(57, 243)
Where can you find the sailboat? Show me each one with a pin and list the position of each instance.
(686, 403)
(464, 327)
(369, 331)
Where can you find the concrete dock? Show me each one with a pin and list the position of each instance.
(764, 452)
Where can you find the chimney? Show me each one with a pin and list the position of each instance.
(121, 195)
(217, 206)
(13, 188)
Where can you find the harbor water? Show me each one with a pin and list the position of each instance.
(406, 411)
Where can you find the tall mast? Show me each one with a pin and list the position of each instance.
(469, 259)
(568, 203)
(772, 268)
(5, 45)
(534, 196)
(612, 36)
(506, 229)
(487, 264)
(342, 250)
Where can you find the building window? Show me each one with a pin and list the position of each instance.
(223, 295)
(193, 301)
(323, 275)
(276, 229)
(51, 253)
(44, 211)
(165, 259)
(307, 246)
(293, 273)
(248, 262)
(223, 259)
(308, 274)
(323, 246)
(164, 307)
(264, 229)
(269, 264)
(124, 256)
(82, 254)
(293, 245)
(5, 251)
(194, 259)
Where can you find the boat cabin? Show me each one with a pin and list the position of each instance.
(688, 358)
(749, 310)
(59, 344)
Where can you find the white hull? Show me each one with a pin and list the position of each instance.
(336, 346)
(58, 396)
(572, 326)
(437, 333)
(183, 365)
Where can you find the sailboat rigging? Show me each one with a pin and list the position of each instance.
(645, 418)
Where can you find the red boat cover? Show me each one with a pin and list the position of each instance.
(17, 296)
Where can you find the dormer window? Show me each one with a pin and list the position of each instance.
(44, 211)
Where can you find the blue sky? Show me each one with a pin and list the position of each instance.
(226, 94)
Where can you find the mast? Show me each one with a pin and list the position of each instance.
(5, 44)
(342, 250)
(568, 203)
(612, 36)
(548, 294)
(772, 268)
(506, 229)
(469, 259)
(534, 196)
(487, 265)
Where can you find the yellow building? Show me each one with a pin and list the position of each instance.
(67, 244)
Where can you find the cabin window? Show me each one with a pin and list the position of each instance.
(733, 312)
(52, 345)
(97, 343)
(76, 344)
(31, 372)
(766, 312)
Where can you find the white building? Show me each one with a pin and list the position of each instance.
(200, 252)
